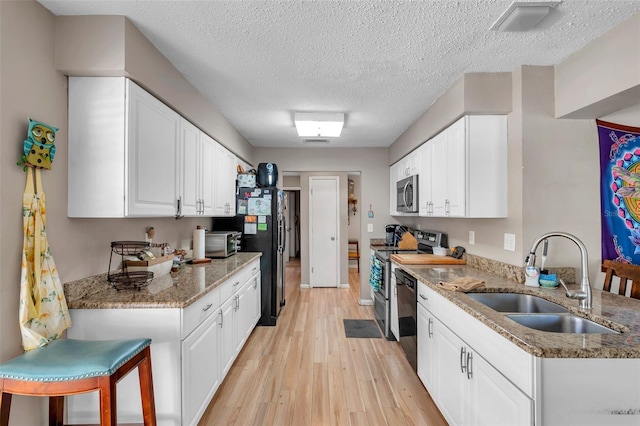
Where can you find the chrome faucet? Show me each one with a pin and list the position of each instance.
(584, 294)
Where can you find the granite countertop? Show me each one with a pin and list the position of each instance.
(614, 311)
(175, 290)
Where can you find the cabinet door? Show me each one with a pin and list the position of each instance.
(200, 369)
(394, 324)
(240, 320)
(227, 341)
(456, 169)
(426, 349)
(439, 174)
(225, 175)
(494, 400)
(425, 198)
(451, 379)
(393, 190)
(190, 168)
(153, 131)
(230, 185)
(251, 305)
(207, 192)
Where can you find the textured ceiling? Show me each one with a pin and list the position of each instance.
(382, 63)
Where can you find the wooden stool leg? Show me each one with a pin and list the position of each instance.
(108, 409)
(56, 410)
(5, 407)
(146, 389)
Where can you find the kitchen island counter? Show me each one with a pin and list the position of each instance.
(175, 290)
(617, 312)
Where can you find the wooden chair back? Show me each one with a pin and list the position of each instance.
(627, 274)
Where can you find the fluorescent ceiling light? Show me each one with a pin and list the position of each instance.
(523, 16)
(319, 124)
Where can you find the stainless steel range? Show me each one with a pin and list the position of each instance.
(381, 297)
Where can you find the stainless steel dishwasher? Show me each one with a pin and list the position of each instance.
(407, 307)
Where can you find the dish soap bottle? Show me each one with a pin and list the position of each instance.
(531, 276)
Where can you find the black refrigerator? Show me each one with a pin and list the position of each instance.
(260, 219)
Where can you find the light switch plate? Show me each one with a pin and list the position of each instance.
(510, 242)
(369, 227)
(472, 237)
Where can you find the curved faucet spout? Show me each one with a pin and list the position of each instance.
(584, 295)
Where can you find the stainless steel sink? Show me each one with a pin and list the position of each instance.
(517, 303)
(560, 323)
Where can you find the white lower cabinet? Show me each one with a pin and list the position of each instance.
(466, 387)
(394, 323)
(470, 391)
(426, 347)
(192, 349)
(199, 380)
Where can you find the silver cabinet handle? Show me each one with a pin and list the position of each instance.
(423, 297)
(463, 364)
(469, 365)
(236, 283)
(447, 207)
(221, 318)
(254, 269)
(255, 283)
(333, 238)
(430, 328)
(206, 308)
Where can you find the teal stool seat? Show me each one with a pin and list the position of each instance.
(67, 367)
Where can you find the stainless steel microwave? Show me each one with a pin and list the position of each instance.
(407, 195)
(221, 243)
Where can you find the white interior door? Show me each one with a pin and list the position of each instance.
(324, 239)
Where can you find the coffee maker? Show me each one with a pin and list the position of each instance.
(390, 234)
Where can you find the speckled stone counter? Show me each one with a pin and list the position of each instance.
(617, 312)
(175, 290)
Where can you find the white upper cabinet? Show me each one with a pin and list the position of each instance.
(207, 185)
(122, 150)
(468, 169)
(196, 195)
(425, 192)
(225, 178)
(190, 165)
(130, 155)
(394, 170)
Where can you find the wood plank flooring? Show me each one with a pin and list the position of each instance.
(304, 371)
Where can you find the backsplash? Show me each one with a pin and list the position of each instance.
(514, 272)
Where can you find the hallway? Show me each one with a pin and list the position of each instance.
(304, 371)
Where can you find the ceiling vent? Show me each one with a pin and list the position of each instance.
(315, 141)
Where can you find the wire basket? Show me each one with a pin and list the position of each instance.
(123, 278)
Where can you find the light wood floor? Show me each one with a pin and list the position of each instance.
(304, 371)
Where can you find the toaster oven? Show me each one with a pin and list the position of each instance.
(221, 243)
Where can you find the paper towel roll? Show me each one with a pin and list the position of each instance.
(198, 243)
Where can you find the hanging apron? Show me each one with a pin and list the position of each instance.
(43, 309)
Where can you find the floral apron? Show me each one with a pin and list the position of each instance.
(43, 309)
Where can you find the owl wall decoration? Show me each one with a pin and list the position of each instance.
(39, 147)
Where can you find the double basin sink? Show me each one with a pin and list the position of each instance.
(538, 313)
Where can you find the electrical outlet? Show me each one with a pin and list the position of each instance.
(369, 227)
(472, 237)
(510, 242)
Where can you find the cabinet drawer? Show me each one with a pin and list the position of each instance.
(195, 314)
(233, 284)
(425, 295)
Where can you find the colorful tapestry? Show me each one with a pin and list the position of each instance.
(620, 191)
